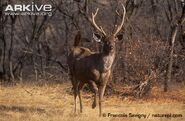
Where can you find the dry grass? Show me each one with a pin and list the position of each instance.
(54, 103)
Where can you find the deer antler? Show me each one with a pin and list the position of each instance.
(123, 18)
(100, 29)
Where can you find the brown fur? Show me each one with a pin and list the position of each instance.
(92, 68)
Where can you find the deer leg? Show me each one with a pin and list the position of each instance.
(75, 95)
(80, 86)
(101, 93)
(94, 88)
(101, 87)
(75, 89)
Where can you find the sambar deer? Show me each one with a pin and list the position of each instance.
(93, 68)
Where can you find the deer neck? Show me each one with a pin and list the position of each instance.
(107, 61)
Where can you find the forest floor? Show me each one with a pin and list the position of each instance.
(33, 102)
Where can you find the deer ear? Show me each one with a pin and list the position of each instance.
(97, 37)
(120, 36)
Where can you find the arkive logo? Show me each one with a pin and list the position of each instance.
(28, 9)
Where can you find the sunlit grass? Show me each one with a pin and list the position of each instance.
(54, 103)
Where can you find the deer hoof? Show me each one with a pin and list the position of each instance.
(94, 105)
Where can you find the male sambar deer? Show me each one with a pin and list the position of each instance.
(93, 68)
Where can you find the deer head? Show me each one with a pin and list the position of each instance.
(109, 41)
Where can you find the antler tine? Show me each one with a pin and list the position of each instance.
(100, 29)
(118, 13)
(122, 22)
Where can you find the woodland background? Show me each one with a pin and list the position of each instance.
(35, 48)
(148, 75)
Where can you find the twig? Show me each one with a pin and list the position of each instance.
(50, 59)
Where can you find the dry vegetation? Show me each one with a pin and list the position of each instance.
(54, 102)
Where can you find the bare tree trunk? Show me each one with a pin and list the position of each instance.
(20, 72)
(66, 36)
(41, 60)
(86, 6)
(35, 68)
(173, 37)
(13, 19)
(174, 33)
(154, 9)
(3, 20)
